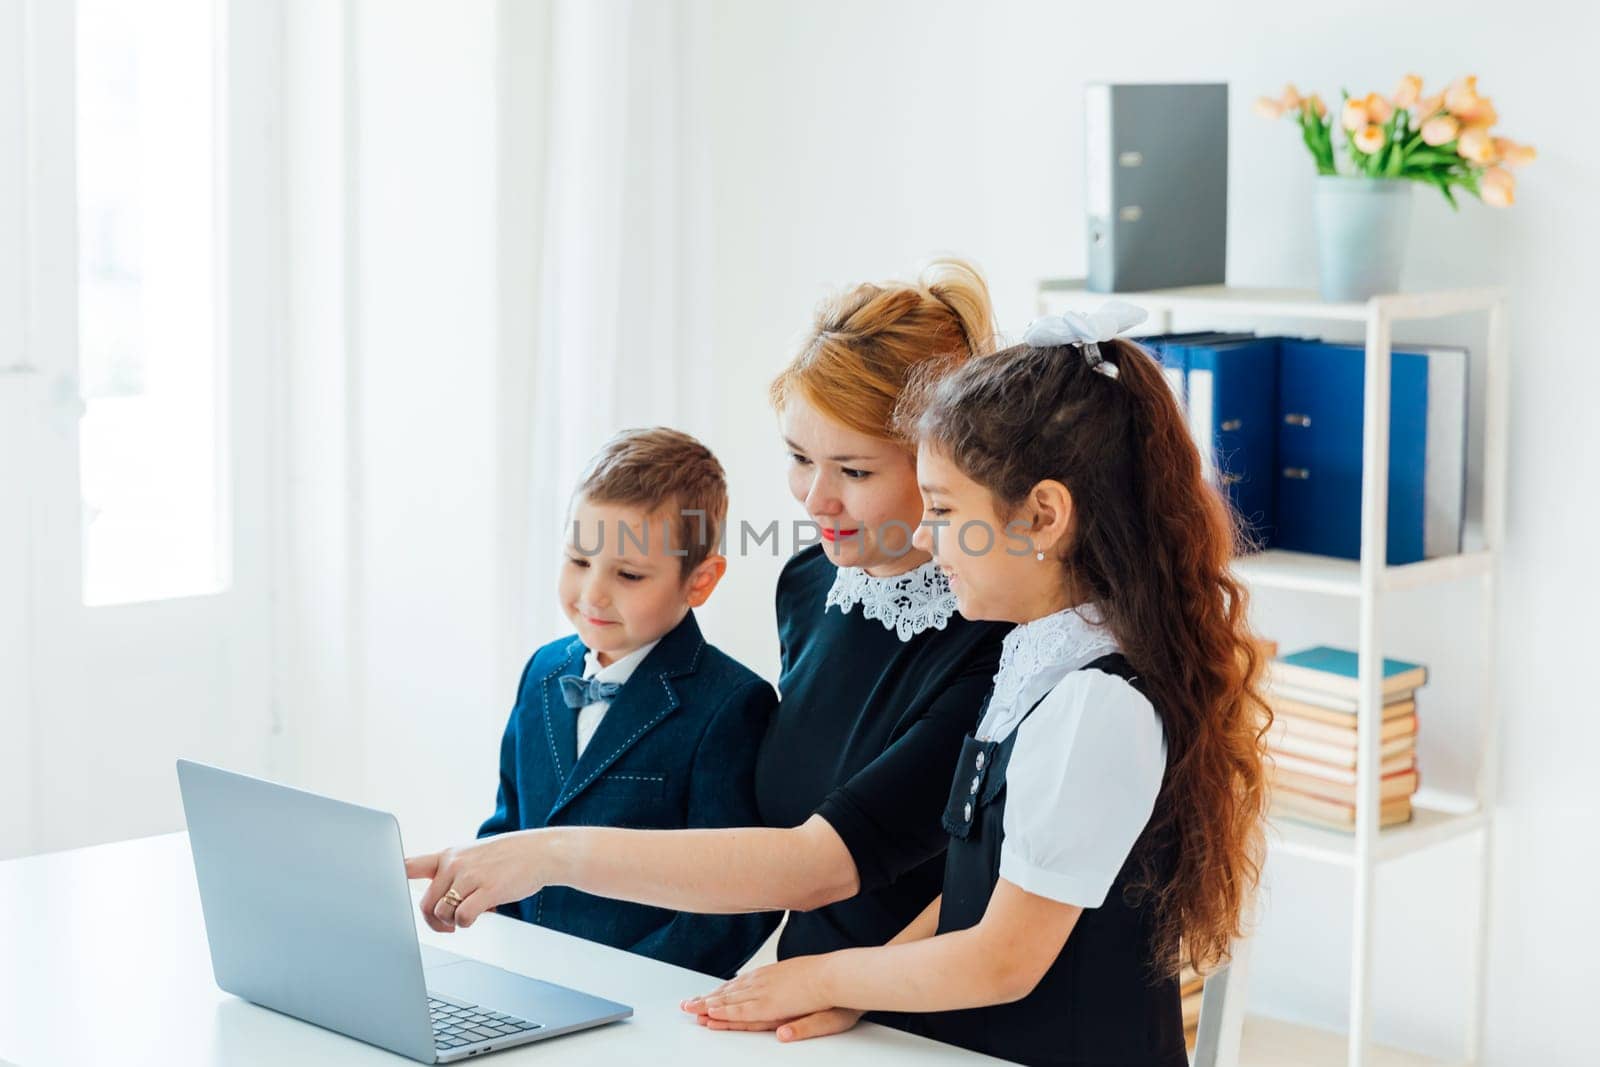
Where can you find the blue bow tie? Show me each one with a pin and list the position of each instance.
(581, 692)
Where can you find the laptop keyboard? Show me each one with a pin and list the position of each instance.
(456, 1026)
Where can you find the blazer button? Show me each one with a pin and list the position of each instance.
(979, 761)
(977, 779)
(967, 813)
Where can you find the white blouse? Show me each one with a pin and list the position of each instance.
(1087, 764)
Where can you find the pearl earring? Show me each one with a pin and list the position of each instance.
(1039, 556)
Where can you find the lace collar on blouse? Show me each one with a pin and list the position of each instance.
(1037, 655)
(909, 603)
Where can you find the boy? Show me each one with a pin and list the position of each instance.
(636, 721)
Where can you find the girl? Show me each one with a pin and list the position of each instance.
(1107, 808)
(881, 679)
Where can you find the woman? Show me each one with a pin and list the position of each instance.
(881, 680)
(1105, 816)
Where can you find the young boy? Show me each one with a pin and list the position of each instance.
(635, 720)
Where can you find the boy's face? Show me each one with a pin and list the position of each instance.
(619, 586)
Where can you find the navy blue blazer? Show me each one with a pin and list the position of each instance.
(676, 749)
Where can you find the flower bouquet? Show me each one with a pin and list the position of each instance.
(1363, 208)
(1445, 140)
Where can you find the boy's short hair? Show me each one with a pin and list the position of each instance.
(649, 469)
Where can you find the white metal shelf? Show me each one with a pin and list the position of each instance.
(1365, 585)
(1280, 569)
(1277, 1043)
(1428, 827)
(1236, 302)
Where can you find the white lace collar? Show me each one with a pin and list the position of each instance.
(1037, 655)
(909, 603)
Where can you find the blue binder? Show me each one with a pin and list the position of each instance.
(1232, 389)
(1319, 450)
(1173, 351)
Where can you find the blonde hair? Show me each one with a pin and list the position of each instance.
(864, 344)
(650, 469)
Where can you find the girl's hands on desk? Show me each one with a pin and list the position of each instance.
(817, 1024)
(466, 882)
(790, 997)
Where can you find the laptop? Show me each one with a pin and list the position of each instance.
(308, 912)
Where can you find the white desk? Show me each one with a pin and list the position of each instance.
(103, 960)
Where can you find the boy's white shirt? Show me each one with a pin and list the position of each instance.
(618, 671)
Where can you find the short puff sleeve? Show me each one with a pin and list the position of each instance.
(1082, 782)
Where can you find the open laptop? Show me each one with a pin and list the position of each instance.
(308, 912)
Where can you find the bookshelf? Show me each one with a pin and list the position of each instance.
(1366, 583)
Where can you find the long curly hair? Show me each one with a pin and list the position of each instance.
(1151, 542)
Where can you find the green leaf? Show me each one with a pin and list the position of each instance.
(1444, 187)
(1433, 157)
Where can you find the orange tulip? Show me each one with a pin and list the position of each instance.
(1370, 139)
(1462, 101)
(1314, 102)
(1269, 108)
(1431, 106)
(1354, 115)
(1378, 109)
(1476, 146)
(1498, 187)
(1514, 154)
(1290, 98)
(1462, 94)
(1441, 129)
(1409, 92)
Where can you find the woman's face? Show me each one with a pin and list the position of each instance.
(860, 490)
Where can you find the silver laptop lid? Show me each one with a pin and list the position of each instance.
(307, 908)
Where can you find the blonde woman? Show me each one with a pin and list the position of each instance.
(881, 679)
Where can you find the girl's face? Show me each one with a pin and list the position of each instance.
(994, 570)
(861, 491)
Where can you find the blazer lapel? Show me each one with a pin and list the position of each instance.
(560, 721)
(648, 697)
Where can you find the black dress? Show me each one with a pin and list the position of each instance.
(1100, 1002)
(867, 729)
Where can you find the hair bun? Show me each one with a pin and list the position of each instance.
(958, 285)
(865, 342)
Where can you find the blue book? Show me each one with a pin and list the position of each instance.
(1334, 671)
(1232, 388)
(1319, 444)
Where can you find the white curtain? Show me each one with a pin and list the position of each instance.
(623, 260)
(494, 245)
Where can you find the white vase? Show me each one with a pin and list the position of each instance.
(1362, 227)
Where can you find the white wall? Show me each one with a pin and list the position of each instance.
(850, 139)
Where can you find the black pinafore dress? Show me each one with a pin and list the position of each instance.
(1099, 1003)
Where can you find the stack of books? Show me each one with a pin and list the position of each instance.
(1312, 742)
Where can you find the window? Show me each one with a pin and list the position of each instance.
(152, 444)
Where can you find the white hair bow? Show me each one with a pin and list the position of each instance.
(1114, 318)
